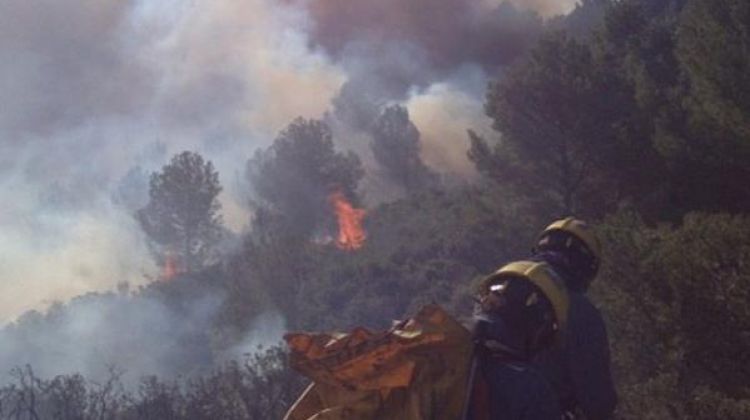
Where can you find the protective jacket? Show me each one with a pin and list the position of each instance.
(578, 367)
(506, 385)
(512, 391)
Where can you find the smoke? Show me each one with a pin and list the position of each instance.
(64, 64)
(88, 89)
(444, 113)
(388, 47)
(138, 335)
(435, 36)
(96, 95)
(546, 8)
(411, 52)
(71, 253)
(266, 330)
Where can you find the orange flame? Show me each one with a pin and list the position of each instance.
(351, 234)
(171, 267)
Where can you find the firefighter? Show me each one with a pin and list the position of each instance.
(578, 367)
(519, 311)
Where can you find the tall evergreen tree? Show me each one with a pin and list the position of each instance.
(564, 124)
(707, 142)
(182, 216)
(396, 148)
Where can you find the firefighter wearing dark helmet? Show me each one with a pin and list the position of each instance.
(579, 366)
(521, 309)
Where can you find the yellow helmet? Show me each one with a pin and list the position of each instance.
(580, 230)
(542, 276)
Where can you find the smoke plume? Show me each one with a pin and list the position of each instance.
(97, 95)
(444, 34)
(396, 51)
(137, 335)
(88, 90)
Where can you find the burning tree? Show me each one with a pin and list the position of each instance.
(351, 234)
(293, 181)
(296, 175)
(182, 216)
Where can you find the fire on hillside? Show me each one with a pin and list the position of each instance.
(171, 267)
(351, 234)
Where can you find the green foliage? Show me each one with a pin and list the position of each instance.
(182, 216)
(710, 146)
(706, 260)
(714, 48)
(260, 388)
(421, 249)
(685, 62)
(275, 262)
(683, 291)
(565, 123)
(651, 114)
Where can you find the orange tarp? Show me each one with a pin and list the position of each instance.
(415, 371)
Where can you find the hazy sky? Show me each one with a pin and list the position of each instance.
(90, 90)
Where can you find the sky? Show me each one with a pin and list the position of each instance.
(94, 96)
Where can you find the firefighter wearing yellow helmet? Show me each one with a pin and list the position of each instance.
(573, 249)
(521, 309)
(578, 367)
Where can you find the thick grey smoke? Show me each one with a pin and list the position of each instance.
(443, 113)
(65, 64)
(50, 254)
(267, 330)
(138, 336)
(424, 53)
(546, 8)
(90, 91)
(96, 95)
(430, 36)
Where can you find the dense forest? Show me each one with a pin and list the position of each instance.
(631, 114)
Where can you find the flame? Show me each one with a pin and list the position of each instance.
(171, 267)
(351, 234)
